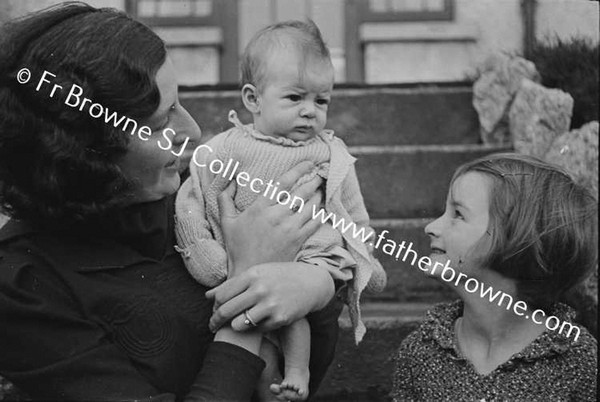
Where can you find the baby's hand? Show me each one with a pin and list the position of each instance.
(268, 231)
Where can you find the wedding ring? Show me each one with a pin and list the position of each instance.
(249, 321)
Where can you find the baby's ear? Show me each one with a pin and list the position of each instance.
(250, 98)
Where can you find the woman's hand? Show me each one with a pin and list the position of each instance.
(267, 231)
(273, 294)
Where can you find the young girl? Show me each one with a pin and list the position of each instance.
(287, 79)
(516, 234)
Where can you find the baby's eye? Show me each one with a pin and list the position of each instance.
(294, 97)
(323, 101)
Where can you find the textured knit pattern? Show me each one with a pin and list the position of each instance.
(430, 367)
(244, 149)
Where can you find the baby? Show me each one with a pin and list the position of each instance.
(287, 79)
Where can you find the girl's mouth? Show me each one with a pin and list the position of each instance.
(435, 250)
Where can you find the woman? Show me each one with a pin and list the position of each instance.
(95, 302)
(517, 233)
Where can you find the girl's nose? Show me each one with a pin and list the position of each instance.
(433, 228)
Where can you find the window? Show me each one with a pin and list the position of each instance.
(201, 36)
(405, 10)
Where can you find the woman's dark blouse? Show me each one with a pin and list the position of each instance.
(108, 311)
(430, 367)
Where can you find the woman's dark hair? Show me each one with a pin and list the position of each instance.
(543, 226)
(57, 163)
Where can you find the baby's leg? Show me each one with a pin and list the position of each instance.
(295, 342)
(271, 374)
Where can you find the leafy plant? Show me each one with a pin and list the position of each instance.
(572, 66)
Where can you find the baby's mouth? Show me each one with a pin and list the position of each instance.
(304, 129)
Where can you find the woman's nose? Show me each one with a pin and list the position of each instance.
(190, 129)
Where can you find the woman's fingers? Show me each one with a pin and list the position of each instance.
(225, 201)
(309, 188)
(289, 178)
(248, 319)
(232, 297)
(311, 207)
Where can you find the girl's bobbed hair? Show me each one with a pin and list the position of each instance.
(543, 226)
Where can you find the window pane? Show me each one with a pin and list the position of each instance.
(435, 5)
(174, 8)
(195, 65)
(146, 8)
(378, 6)
(203, 8)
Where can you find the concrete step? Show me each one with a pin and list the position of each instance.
(364, 372)
(410, 181)
(366, 116)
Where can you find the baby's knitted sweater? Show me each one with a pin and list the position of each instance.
(266, 158)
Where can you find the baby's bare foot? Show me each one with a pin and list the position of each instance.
(294, 386)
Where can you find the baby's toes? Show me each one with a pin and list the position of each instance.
(275, 388)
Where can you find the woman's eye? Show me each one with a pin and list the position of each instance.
(457, 214)
(168, 119)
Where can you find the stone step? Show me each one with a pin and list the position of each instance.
(366, 116)
(406, 283)
(410, 181)
(364, 372)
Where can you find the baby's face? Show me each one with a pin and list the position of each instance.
(294, 103)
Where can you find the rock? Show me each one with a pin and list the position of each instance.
(577, 151)
(500, 79)
(3, 220)
(537, 116)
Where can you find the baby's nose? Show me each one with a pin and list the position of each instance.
(308, 110)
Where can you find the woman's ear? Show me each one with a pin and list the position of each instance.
(250, 98)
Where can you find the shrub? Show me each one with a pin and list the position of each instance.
(572, 66)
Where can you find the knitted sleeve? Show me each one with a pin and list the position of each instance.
(204, 257)
(352, 201)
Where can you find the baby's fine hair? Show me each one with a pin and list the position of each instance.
(543, 226)
(304, 36)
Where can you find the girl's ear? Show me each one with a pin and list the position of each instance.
(250, 98)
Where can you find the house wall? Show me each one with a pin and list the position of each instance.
(393, 52)
(398, 52)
